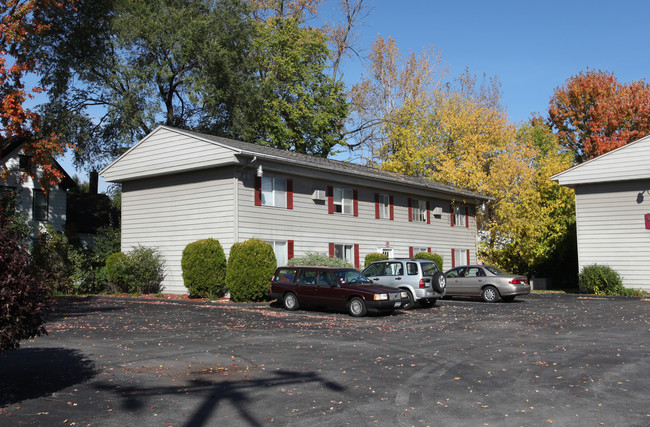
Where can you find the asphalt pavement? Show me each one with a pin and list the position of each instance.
(544, 359)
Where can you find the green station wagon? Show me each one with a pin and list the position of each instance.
(338, 288)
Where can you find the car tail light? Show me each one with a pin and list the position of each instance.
(422, 285)
(519, 281)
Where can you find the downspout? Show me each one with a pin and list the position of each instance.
(238, 175)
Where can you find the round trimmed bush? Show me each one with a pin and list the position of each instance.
(140, 271)
(251, 265)
(204, 268)
(374, 256)
(600, 280)
(431, 257)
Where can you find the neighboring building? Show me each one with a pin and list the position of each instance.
(43, 207)
(180, 186)
(612, 194)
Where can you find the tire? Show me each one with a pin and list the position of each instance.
(508, 298)
(439, 282)
(490, 294)
(428, 303)
(357, 307)
(409, 305)
(290, 301)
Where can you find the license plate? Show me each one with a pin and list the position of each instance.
(397, 304)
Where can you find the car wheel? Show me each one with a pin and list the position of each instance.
(357, 307)
(426, 303)
(508, 298)
(490, 294)
(409, 305)
(439, 282)
(290, 301)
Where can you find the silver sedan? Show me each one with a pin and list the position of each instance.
(486, 282)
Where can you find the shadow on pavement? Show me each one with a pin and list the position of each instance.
(214, 392)
(29, 373)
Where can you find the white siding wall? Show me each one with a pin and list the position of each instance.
(171, 211)
(166, 151)
(312, 228)
(611, 229)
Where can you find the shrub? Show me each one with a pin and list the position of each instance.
(22, 296)
(54, 260)
(204, 268)
(90, 275)
(140, 271)
(117, 271)
(600, 280)
(251, 265)
(372, 257)
(431, 257)
(319, 260)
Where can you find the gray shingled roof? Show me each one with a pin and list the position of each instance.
(334, 165)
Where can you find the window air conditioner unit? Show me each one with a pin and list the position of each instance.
(318, 195)
(437, 211)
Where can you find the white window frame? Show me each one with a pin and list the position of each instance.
(459, 216)
(384, 206)
(344, 251)
(281, 251)
(386, 251)
(343, 200)
(419, 210)
(274, 192)
(460, 257)
(419, 250)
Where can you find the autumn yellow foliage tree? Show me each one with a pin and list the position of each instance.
(460, 135)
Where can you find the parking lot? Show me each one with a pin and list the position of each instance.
(543, 359)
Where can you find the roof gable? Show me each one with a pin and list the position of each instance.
(629, 162)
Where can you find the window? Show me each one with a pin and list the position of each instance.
(285, 275)
(459, 218)
(344, 252)
(419, 211)
(327, 279)
(274, 192)
(386, 251)
(280, 250)
(307, 277)
(24, 162)
(411, 268)
(459, 257)
(40, 210)
(384, 206)
(342, 200)
(393, 269)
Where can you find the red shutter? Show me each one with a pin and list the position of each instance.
(451, 215)
(330, 199)
(376, 205)
(410, 211)
(428, 213)
(468, 257)
(258, 191)
(356, 256)
(331, 250)
(467, 217)
(289, 193)
(429, 250)
(410, 251)
(392, 211)
(453, 258)
(355, 202)
(289, 249)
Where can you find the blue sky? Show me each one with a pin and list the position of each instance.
(531, 47)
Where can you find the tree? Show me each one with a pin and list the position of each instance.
(594, 113)
(20, 22)
(180, 63)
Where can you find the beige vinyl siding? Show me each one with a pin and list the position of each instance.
(312, 228)
(611, 229)
(166, 151)
(171, 211)
(624, 164)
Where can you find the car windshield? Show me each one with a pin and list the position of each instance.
(351, 276)
(429, 268)
(494, 271)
